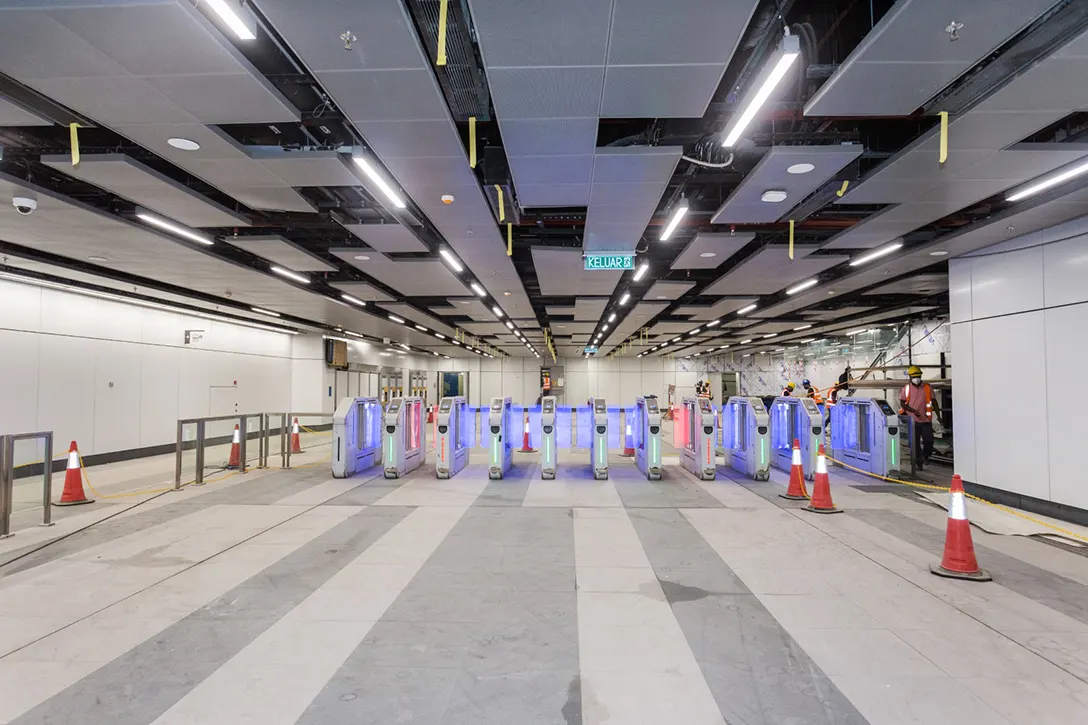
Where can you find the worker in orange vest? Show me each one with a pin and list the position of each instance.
(916, 399)
(811, 391)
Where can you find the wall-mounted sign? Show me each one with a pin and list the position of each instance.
(609, 260)
(590, 350)
(192, 337)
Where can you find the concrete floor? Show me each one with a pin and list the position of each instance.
(290, 597)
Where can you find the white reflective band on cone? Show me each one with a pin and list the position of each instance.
(73, 460)
(526, 426)
(797, 456)
(295, 430)
(236, 438)
(821, 465)
(957, 508)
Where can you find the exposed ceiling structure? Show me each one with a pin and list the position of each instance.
(315, 160)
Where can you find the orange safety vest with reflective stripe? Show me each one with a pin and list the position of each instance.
(927, 412)
(815, 395)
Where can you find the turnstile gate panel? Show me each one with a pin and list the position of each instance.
(865, 434)
(356, 436)
(405, 436)
(800, 419)
(501, 430)
(614, 429)
(452, 450)
(745, 432)
(548, 436)
(698, 453)
(598, 448)
(645, 424)
(583, 419)
(564, 419)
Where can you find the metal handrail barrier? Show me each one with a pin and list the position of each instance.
(7, 478)
(201, 432)
(286, 421)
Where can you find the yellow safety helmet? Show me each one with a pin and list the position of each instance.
(792, 385)
(914, 372)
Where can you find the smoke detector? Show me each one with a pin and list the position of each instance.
(447, 198)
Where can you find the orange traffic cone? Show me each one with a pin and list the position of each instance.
(525, 447)
(430, 413)
(821, 502)
(959, 560)
(797, 490)
(628, 444)
(296, 445)
(73, 480)
(235, 460)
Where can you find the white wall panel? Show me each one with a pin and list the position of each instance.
(160, 368)
(490, 385)
(22, 306)
(1065, 354)
(630, 386)
(963, 400)
(1011, 432)
(66, 390)
(653, 383)
(1004, 284)
(19, 381)
(608, 385)
(117, 385)
(577, 386)
(1065, 271)
(959, 290)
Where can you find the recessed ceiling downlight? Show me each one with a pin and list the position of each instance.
(184, 144)
(773, 196)
(362, 257)
(799, 168)
(708, 255)
(97, 259)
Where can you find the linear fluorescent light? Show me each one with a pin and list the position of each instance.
(353, 334)
(769, 78)
(173, 228)
(477, 289)
(451, 260)
(612, 317)
(509, 325)
(440, 336)
(802, 287)
(604, 327)
(1045, 184)
(858, 332)
(713, 323)
(353, 300)
(270, 313)
(381, 183)
(455, 342)
(674, 221)
(768, 337)
(497, 311)
(697, 329)
(334, 337)
(877, 254)
(811, 339)
(642, 271)
(675, 339)
(290, 275)
(421, 328)
(404, 346)
(232, 19)
(745, 342)
(746, 310)
(802, 327)
(625, 298)
(394, 318)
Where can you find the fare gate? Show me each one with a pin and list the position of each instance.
(452, 450)
(548, 432)
(800, 419)
(744, 436)
(500, 427)
(356, 436)
(598, 447)
(698, 454)
(646, 429)
(865, 434)
(405, 436)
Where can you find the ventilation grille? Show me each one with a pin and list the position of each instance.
(462, 78)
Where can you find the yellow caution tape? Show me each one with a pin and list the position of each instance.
(842, 189)
(509, 240)
(791, 238)
(943, 155)
(73, 132)
(502, 207)
(442, 10)
(472, 142)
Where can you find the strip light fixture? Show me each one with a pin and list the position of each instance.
(270, 313)
(294, 276)
(353, 300)
(802, 287)
(224, 9)
(768, 79)
(746, 310)
(371, 173)
(877, 254)
(394, 318)
(477, 289)
(641, 272)
(626, 297)
(452, 260)
(173, 228)
(802, 327)
(1049, 183)
(677, 214)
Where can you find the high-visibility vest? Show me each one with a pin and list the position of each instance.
(815, 395)
(905, 395)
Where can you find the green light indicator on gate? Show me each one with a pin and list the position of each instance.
(762, 451)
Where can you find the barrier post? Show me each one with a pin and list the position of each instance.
(7, 485)
(177, 456)
(242, 444)
(47, 480)
(199, 481)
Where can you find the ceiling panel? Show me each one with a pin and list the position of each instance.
(549, 136)
(718, 309)
(770, 269)
(744, 204)
(659, 91)
(561, 273)
(828, 315)
(281, 251)
(918, 284)
(551, 92)
(671, 328)
(708, 250)
(639, 315)
(589, 309)
(363, 291)
(664, 290)
(12, 114)
(423, 277)
(142, 185)
(307, 168)
(387, 238)
(416, 317)
(908, 57)
(521, 33)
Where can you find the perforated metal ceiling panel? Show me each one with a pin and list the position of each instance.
(628, 182)
(642, 313)
(387, 237)
(589, 309)
(918, 284)
(549, 136)
(834, 314)
(132, 180)
(280, 251)
(663, 290)
(909, 57)
(771, 269)
(773, 173)
(12, 114)
(362, 291)
(708, 250)
(424, 277)
(561, 273)
(418, 318)
(308, 168)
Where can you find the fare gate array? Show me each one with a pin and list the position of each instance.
(865, 434)
(744, 436)
(800, 419)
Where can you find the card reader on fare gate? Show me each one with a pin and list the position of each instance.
(598, 447)
(548, 453)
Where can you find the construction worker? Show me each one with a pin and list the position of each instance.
(916, 399)
(788, 390)
(812, 391)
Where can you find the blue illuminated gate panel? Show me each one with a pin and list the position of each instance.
(614, 440)
(562, 425)
(584, 420)
(471, 437)
(534, 426)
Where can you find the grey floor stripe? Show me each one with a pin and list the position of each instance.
(373, 485)
(1055, 591)
(269, 488)
(139, 686)
(510, 490)
(485, 633)
(674, 490)
(756, 671)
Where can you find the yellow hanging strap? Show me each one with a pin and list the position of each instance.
(472, 142)
(442, 32)
(502, 208)
(791, 238)
(73, 132)
(943, 156)
(842, 189)
(509, 240)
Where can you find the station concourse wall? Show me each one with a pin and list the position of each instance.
(1020, 328)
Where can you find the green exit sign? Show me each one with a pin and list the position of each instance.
(610, 261)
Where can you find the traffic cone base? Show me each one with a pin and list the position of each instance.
(821, 502)
(978, 576)
(796, 490)
(958, 560)
(813, 509)
(73, 494)
(525, 446)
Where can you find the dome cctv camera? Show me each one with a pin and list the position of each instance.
(25, 204)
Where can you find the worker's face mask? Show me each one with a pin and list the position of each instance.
(916, 381)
